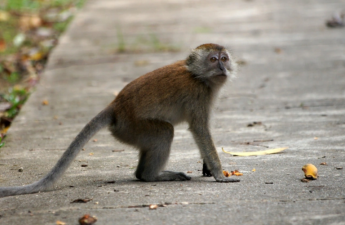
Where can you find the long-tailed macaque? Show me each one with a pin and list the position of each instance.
(144, 114)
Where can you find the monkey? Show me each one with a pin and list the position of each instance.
(205, 171)
(144, 113)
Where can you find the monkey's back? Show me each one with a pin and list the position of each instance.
(161, 94)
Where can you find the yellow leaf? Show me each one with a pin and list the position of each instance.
(45, 102)
(265, 152)
(254, 170)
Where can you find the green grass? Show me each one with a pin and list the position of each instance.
(36, 5)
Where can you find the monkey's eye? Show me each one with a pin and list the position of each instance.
(224, 59)
(213, 59)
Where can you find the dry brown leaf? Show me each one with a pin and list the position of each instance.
(305, 180)
(45, 102)
(265, 152)
(277, 50)
(310, 171)
(80, 200)
(323, 163)
(2, 45)
(236, 173)
(87, 220)
(58, 222)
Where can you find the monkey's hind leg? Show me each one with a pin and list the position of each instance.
(154, 153)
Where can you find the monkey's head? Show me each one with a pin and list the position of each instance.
(211, 63)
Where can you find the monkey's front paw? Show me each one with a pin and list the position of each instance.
(227, 180)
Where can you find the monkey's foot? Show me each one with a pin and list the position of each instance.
(171, 176)
(227, 180)
(205, 171)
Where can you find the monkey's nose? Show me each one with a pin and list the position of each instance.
(220, 66)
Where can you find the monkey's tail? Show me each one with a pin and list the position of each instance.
(90, 129)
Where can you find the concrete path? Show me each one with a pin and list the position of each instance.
(291, 79)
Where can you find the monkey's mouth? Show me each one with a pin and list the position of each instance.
(221, 76)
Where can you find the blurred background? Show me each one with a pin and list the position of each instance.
(29, 29)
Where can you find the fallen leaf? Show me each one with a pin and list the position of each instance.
(4, 16)
(45, 102)
(28, 22)
(337, 20)
(36, 56)
(265, 152)
(310, 171)
(315, 138)
(236, 173)
(2, 45)
(58, 222)
(189, 172)
(80, 200)
(339, 168)
(91, 154)
(4, 131)
(94, 140)
(153, 206)
(323, 163)
(254, 124)
(277, 50)
(305, 180)
(87, 220)
(226, 173)
(254, 170)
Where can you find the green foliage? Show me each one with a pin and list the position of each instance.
(16, 97)
(12, 78)
(18, 5)
(1, 143)
(34, 5)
